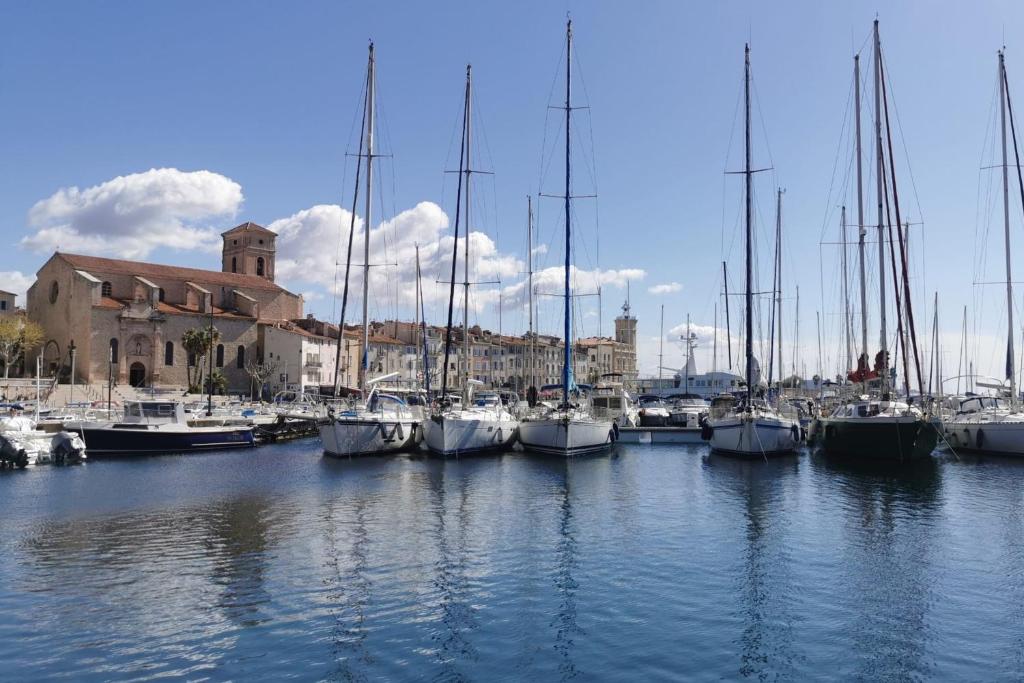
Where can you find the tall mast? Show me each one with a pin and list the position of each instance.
(778, 274)
(861, 229)
(416, 316)
(689, 352)
(465, 282)
(846, 293)
(368, 221)
(661, 346)
(714, 343)
(748, 174)
(728, 325)
(567, 359)
(529, 251)
(879, 173)
(1010, 372)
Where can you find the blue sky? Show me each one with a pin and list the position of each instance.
(265, 95)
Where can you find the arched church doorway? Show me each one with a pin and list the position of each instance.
(137, 375)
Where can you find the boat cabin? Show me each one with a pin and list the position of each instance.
(154, 412)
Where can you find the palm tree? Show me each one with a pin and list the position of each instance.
(197, 342)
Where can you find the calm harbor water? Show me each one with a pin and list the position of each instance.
(647, 564)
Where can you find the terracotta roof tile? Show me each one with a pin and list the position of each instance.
(249, 226)
(97, 264)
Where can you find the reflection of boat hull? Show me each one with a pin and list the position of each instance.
(898, 438)
(754, 436)
(446, 435)
(566, 437)
(654, 435)
(120, 439)
(346, 437)
(979, 436)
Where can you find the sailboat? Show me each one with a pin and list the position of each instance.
(481, 422)
(752, 427)
(569, 428)
(990, 424)
(379, 422)
(880, 427)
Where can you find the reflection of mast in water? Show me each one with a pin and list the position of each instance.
(887, 549)
(240, 530)
(450, 583)
(351, 591)
(565, 624)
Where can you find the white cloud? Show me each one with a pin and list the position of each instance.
(668, 288)
(17, 282)
(130, 216)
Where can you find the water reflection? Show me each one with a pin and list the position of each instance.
(767, 647)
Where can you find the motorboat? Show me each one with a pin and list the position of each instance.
(157, 427)
(22, 444)
(652, 411)
(610, 400)
(687, 411)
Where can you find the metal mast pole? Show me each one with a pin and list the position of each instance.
(778, 272)
(861, 230)
(714, 343)
(567, 359)
(367, 220)
(879, 172)
(416, 317)
(748, 173)
(1010, 372)
(688, 351)
(465, 282)
(529, 250)
(661, 346)
(728, 326)
(846, 293)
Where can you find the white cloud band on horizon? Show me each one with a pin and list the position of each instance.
(667, 288)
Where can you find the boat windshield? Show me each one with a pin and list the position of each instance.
(149, 410)
(979, 403)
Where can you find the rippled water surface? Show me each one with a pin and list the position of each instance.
(646, 564)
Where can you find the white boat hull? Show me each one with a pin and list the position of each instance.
(998, 437)
(457, 435)
(347, 437)
(567, 436)
(754, 435)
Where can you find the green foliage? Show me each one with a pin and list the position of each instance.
(197, 342)
(18, 336)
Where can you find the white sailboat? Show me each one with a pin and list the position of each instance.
(991, 424)
(478, 423)
(380, 422)
(752, 428)
(569, 428)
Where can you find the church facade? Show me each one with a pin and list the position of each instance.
(127, 319)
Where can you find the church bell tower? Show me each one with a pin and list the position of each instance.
(249, 249)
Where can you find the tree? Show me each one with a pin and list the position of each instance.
(197, 342)
(18, 336)
(259, 372)
(219, 381)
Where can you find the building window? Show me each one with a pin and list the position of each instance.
(240, 362)
(169, 353)
(3, 305)
(54, 291)
(220, 355)
(107, 289)
(259, 266)
(113, 349)
(161, 294)
(234, 264)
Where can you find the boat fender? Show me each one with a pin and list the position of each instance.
(706, 430)
(615, 429)
(795, 431)
(979, 440)
(21, 458)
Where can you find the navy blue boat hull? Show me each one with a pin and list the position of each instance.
(110, 442)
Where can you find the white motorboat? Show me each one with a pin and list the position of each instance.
(687, 411)
(610, 400)
(22, 444)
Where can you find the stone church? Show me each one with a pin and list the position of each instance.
(127, 318)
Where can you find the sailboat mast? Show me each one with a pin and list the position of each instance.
(861, 229)
(728, 325)
(748, 174)
(846, 293)
(1010, 372)
(689, 351)
(367, 220)
(879, 173)
(529, 275)
(567, 359)
(714, 343)
(465, 281)
(778, 274)
(416, 317)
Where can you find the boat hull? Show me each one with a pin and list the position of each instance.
(994, 438)
(567, 437)
(749, 436)
(444, 435)
(656, 435)
(890, 438)
(111, 441)
(345, 438)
